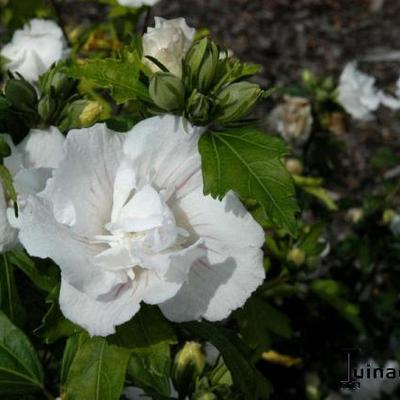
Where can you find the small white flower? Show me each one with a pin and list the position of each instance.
(137, 3)
(395, 225)
(30, 165)
(125, 218)
(357, 93)
(168, 42)
(34, 48)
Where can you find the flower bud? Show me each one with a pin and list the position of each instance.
(78, 114)
(46, 107)
(296, 256)
(21, 95)
(90, 113)
(167, 91)
(388, 216)
(201, 63)
(204, 396)
(58, 83)
(355, 215)
(237, 100)
(189, 364)
(199, 108)
(294, 166)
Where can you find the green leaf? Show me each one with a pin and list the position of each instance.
(149, 336)
(96, 372)
(10, 302)
(248, 162)
(148, 327)
(54, 325)
(333, 293)
(236, 356)
(150, 368)
(257, 319)
(21, 260)
(121, 77)
(20, 369)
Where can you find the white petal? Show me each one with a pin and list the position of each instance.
(163, 150)
(43, 237)
(233, 268)
(8, 235)
(85, 178)
(42, 148)
(99, 318)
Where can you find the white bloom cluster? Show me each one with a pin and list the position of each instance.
(125, 218)
(359, 96)
(34, 48)
(168, 42)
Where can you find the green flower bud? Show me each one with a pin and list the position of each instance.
(21, 95)
(46, 107)
(189, 364)
(236, 101)
(199, 108)
(78, 114)
(204, 396)
(201, 63)
(55, 82)
(296, 256)
(167, 91)
(388, 216)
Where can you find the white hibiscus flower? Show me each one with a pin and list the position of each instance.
(34, 48)
(137, 3)
(168, 42)
(30, 165)
(125, 218)
(357, 93)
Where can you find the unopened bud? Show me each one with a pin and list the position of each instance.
(90, 113)
(167, 91)
(46, 107)
(188, 366)
(199, 107)
(204, 396)
(201, 62)
(21, 95)
(294, 166)
(388, 216)
(355, 215)
(78, 114)
(237, 100)
(296, 256)
(56, 83)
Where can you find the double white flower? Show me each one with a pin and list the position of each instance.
(125, 218)
(34, 48)
(137, 3)
(168, 42)
(30, 164)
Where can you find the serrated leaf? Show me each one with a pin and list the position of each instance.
(248, 162)
(121, 77)
(96, 372)
(20, 369)
(252, 384)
